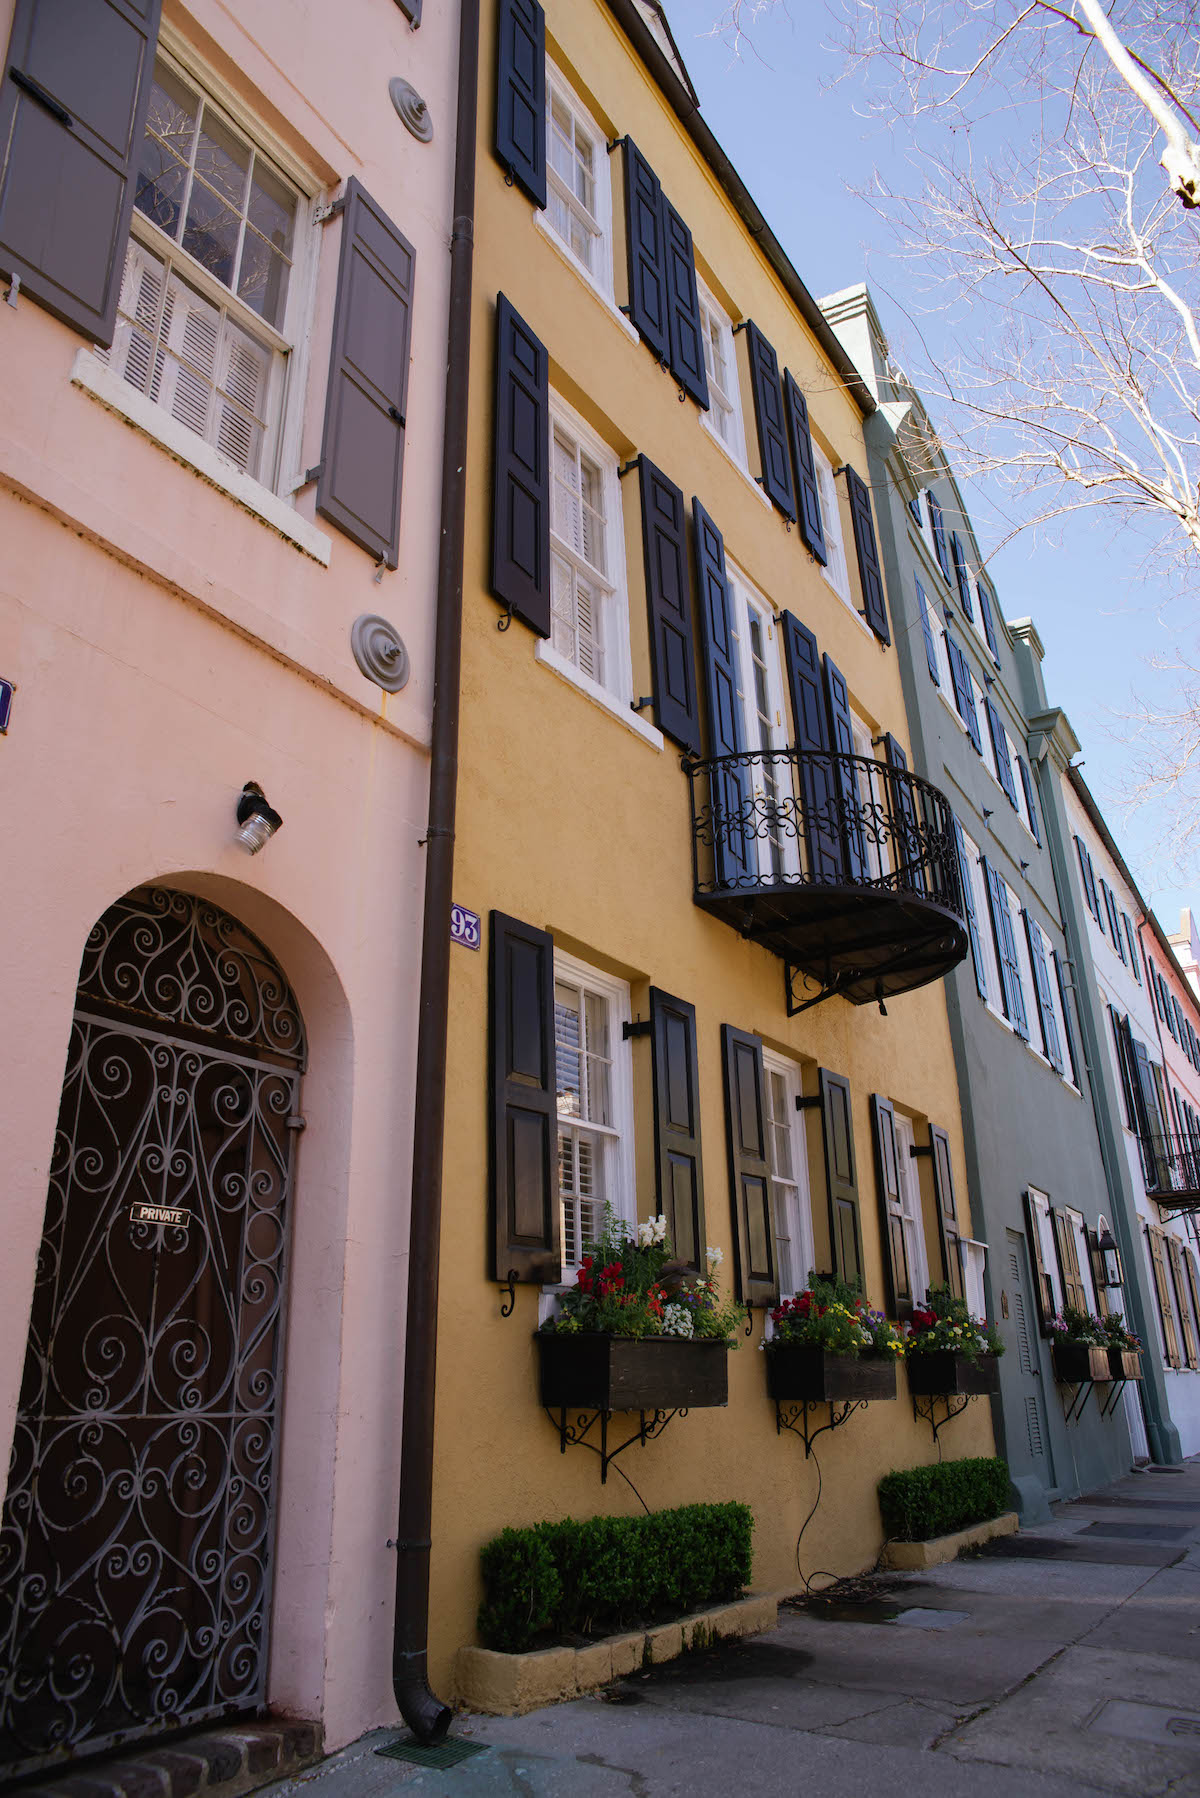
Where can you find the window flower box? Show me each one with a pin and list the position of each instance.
(597, 1372)
(1075, 1363)
(801, 1372)
(946, 1373)
(1124, 1364)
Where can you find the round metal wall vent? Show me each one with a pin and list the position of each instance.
(379, 651)
(412, 108)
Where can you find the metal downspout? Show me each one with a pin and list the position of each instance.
(426, 1714)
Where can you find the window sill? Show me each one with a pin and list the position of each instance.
(550, 658)
(96, 378)
(597, 292)
(730, 456)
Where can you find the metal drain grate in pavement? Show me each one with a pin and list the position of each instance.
(446, 1754)
(1138, 1532)
(1158, 1723)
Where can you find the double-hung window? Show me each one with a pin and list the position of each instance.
(874, 821)
(204, 324)
(724, 415)
(578, 194)
(795, 1253)
(595, 1102)
(912, 1220)
(836, 571)
(760, 692)
(589, 629)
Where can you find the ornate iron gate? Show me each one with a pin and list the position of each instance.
(137, 1535)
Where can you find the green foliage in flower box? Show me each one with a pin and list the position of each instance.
(922, 1502)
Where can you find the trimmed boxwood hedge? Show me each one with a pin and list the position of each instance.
(922, 1502)
(609, 1573)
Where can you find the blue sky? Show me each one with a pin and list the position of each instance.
(799, 148)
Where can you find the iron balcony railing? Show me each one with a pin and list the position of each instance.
(1172, 1168)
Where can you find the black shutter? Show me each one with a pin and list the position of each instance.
(927, 631)
(897, 1275)
(679, 1180)
(1030, 800)
(772, 426)
(1123, 1042)
(939, 534)
(362, 450)
(521, 472)
(521, 95)
(649, 308)
(1043, 1286)
(72, 117)
(972, 915)
(672, 658)
(1051, 1047)
(1068, 1027)
(685, 333)
(526, 1230)
(964, 692)
(1006, 950)
(804, 468)
(818, 789)
(910, 866)
(869, 572)
(989, 620)
(947, 1210)
(958, 557)
(1089, 898)
(845, 772)
(755, 1272)
(1000, 750)
(732, 848)
(837, 1123)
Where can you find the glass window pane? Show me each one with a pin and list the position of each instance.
(159, 185)
(171, 117)
(211, 233)
(567, 1043)
(263, 279)
(599, 1063)
(272, 208)
(223, 160)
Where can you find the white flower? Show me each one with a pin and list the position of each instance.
(677, 1321)
(652, 1232)
(715, 1256)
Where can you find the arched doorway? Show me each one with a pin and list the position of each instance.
(137, 1534)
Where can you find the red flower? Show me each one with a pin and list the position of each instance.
(584, 1276)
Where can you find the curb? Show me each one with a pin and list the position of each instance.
(213, 1764)
(907, 1556)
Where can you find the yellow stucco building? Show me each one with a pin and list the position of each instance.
(669, 558)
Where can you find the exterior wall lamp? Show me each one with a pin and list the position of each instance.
(257, 821)
(1109, 1268)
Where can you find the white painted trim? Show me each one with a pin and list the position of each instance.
(714, 436)
(615, 623)
(545, 653)
(96, 378)
(622, 1191)
(609, 304)
(724, 324)
(803, 1242)
(912, 1211)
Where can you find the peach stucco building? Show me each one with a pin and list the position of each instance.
(223, 242)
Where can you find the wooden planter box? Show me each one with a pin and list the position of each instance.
(1074, 1363)
(632, 1373)
(809, 1374)
(945, 1373)
(1124, 1364)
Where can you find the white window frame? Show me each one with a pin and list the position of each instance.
(715, 320)
(600, 278)
(836, 570)
(747, 604)
(796, 1204)
(973, 1260)
(1025, 971)
(871, 797)
(1083, 1256)
(983, 918)
(912, 1214)
(1039, 1204)
(618, 1185)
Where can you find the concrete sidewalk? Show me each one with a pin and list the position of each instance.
(1056, 1664)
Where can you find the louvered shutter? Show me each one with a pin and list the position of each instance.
(1006, 950)
(841, 741)
(72, 116)
(1051, 1047)
(964, 692)
(526, 1227)
(804, 468)
(1135, 964)
(968, 894)
(1030, 801)
(986, 612)
(1000, 751)
(772, 425)
(845, 1232)
(927, 633)
(521, 95)
(869, 572)
(1043, 1287)
(959, 559)
(521, 472)
(1123, 1042)
(672, 658)
(1179, 1281)
(939, 534)
(733, 848)
(679, 1180)
(910, 865)
(755, 1273)
(1177, 1012)
(1162, 1292)
(685, 332)
(897, 1275)
(818, 788)
(1158, 1171)
(362, 450)
(947, 1209)
(1068, 1027)
(1189, 1261)
(1069, 1272)
(649, 308)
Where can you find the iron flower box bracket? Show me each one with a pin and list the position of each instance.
(801, 1379)
(659, 1377)
(1078, 1365)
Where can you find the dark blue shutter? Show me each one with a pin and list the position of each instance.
(1000, 751)
(869, 572)
(772, 426)
(958, 557)
(1006, 950)
(1051, 1047)
(907, 858)
(649, 308)
(75, 89)
(897, 1275)
(1110, 914)
(668, 599)
(1177, 1026)
(927, 631)
(1134, 958)
(989, 620)
(733, 848)
(939, 534)
(1123, 1040)
(1121, 919)
(1068, 1027)
(526, 1229)
(521, 95)
(685, 334)
(362, 450)
(964, 692)
(818, 789)
(968, 893)
(679, 1178)
(1030, 801)
(845, 1231)
(756, 1279)
(845, 772)
(1087, 878)
(521, 476)
(804, 468)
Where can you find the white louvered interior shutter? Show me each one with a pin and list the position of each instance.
(132, 355)
(243, 378)
(191, 331)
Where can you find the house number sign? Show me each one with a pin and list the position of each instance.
(464, 927)
(159, 1214)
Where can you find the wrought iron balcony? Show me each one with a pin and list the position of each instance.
(844, 867)
(1172, 1168)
